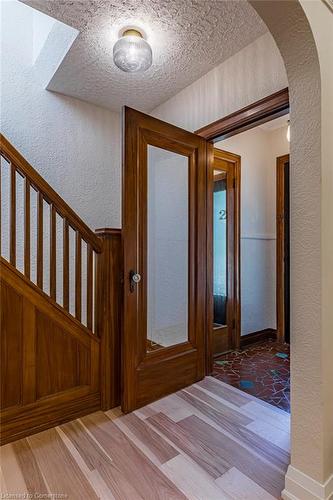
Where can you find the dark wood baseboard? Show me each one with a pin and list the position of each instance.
(260, 336)
(17, 423)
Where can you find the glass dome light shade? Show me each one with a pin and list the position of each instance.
(131, 53)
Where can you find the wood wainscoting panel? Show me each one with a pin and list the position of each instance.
(50, 361)
(11, 346)
(63, 360)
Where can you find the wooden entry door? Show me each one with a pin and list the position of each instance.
(164, 239)
(224, 279)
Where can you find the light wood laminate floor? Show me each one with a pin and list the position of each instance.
(209, 441)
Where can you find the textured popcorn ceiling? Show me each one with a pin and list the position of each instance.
(188, 39)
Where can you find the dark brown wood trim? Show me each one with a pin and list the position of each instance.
(259, 112)
(237, 258)
(109, 278)
(254, 337)
(209, 259)
(104, 231)
(281, 257)
(236, 299)
(44, 414)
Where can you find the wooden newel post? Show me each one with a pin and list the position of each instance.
(108, 314)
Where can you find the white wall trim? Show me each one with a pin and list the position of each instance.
(299, 486)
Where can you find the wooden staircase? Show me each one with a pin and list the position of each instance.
(60, 286)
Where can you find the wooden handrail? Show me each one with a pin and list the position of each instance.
(21, 165)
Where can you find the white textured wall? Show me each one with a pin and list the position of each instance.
(258, 150)
(75, 146)
(253, 73)
(321, 20)
(305, 42)
(64, 138)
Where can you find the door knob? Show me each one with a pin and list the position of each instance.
(135, 278)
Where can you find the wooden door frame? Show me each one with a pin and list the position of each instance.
(233, 302)
(251, 116)
(281, 256)
(255, 114)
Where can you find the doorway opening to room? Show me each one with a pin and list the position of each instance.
(248, 296)
(182, 303)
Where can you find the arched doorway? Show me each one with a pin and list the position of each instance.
(309, 475)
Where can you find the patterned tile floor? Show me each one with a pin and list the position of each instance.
(262, 370)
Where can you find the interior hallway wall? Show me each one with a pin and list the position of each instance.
(258, 149)
(64, 138)
(253, 73)
(74, 145)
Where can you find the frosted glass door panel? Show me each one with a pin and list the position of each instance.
(220, 247)
(167, 266)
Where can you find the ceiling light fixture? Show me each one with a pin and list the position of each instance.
(132, 53)
(288, 131)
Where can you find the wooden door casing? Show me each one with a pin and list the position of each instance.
(148, 376)
(282, 249)
(251, 116)
(225, 338)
